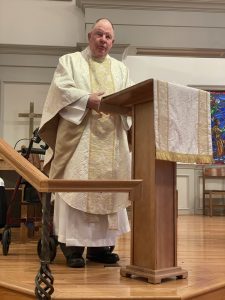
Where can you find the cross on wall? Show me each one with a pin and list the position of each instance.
(31, 115)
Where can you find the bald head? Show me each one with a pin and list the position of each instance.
(101, 38)
(103, 19)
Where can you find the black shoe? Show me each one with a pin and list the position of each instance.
(73, 255)
(75, 261)
(102, 255)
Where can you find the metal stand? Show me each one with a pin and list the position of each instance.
(44, 279)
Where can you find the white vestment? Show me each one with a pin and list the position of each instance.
(82, 229)
(78, 220)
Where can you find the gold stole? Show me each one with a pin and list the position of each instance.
(102, 126)
(102, 136)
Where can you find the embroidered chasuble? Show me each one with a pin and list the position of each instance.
(102, 152)
(182, 122)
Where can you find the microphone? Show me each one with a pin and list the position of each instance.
(36, 138)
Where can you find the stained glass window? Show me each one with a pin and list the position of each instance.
(218, 125)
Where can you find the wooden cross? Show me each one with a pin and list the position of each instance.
(31, 115)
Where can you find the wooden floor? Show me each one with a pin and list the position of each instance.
(201, 251)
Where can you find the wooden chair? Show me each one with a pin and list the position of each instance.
(213, 198)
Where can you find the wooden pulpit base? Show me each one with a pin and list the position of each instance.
(153, 276)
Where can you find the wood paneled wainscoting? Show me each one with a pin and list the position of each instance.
(201, 244)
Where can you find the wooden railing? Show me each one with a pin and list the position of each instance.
(45, 186)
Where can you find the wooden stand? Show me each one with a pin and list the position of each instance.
(154, 220)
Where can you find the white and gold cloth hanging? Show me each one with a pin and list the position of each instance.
(182, 123)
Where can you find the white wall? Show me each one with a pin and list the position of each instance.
(17, 97)
(164, 28)
(44, 22)
(41, 22)
(182, 70)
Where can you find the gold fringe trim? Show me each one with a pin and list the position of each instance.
(185, 158)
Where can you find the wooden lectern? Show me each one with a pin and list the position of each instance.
(154, 218)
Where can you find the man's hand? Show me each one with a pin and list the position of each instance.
(94, 101)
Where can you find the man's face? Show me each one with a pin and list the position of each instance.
(101, 39)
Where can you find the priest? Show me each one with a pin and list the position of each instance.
(87, 144)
